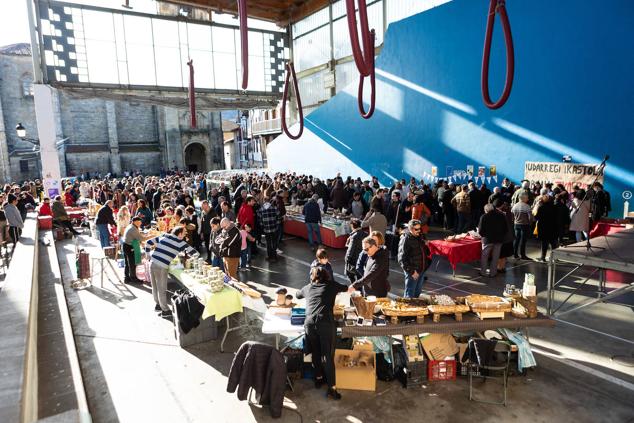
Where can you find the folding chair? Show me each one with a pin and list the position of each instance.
(501, 348)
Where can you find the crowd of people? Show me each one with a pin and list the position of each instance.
(227, 222)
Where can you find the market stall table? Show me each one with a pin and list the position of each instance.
(447, 324)
(463, 250)
(219, 304)
(76, 212)
(606, 228)
(333, 236)
(276, 324)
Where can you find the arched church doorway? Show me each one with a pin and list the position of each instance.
(195, 158)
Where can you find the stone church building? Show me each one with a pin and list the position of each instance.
(99, 136)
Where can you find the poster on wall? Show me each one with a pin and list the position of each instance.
(568, 174)
(449, 171)
(481, 170)
(434, 171)
(52, 187)
(470, 171)
(493, 170)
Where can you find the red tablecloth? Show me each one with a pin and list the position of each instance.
(328, 237)
(75, 212)
(606, 228)
(461, 251)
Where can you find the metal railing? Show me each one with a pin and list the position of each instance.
(269, 126)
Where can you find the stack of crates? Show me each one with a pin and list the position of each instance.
(416, 370)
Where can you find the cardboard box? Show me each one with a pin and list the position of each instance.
(437, 346)
(361, 378)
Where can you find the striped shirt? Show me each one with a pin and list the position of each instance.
(168, 246)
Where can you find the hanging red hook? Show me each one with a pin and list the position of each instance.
(360, 58)
(290, 73)
(497, 6)
(192, 95)
(370, 112)
(244, 42)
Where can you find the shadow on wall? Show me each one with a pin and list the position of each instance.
(429, 106)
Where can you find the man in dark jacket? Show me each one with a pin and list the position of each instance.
(322, 191)
(105, 218)
(412, 258)
(477, 200)
(312, 218)
(269, 219)
(215, 243)
(207, 213)
(377, 268)
(156, 199)
(230, 246)
(338, 196)
(354, 248)
(492, 229)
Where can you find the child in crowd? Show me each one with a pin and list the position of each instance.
(245, 251)
(321, 260)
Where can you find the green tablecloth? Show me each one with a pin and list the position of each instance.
(219, 304)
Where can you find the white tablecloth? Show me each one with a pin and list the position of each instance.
(280, 324)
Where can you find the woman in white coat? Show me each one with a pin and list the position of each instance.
(580, 219)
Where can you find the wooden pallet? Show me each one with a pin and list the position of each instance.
(420, 318)
(457, 316)
(457, 311)
(490, 314)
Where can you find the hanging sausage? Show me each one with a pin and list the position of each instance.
(495, 7)
(244, 42)
(192, 95)
(290, 73)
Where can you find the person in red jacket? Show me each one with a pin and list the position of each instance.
(45, 208)
(69, 201)
(246, 215)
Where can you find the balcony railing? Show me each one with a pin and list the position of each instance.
(270, 126)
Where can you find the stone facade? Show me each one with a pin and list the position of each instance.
(100, 136)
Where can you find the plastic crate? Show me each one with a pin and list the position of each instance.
(417, 370)
(464, 369)
(441, 370)
(415, 373)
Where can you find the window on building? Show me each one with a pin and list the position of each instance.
(26, 83)
(24, 166)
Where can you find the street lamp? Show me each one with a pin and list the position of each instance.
(21, 132)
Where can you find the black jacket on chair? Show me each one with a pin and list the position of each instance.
(188, 309)
(261, 367)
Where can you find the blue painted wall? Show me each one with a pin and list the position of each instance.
(573, 93)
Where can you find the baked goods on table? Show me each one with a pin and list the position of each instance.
(481, 303)
(444, 304)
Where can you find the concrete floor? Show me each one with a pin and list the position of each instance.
(134, 371)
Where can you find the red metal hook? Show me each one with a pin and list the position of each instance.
(192, 95)
(370, 112)
(290, 73)
(497, 6)
(360, 58)
(244, 42)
